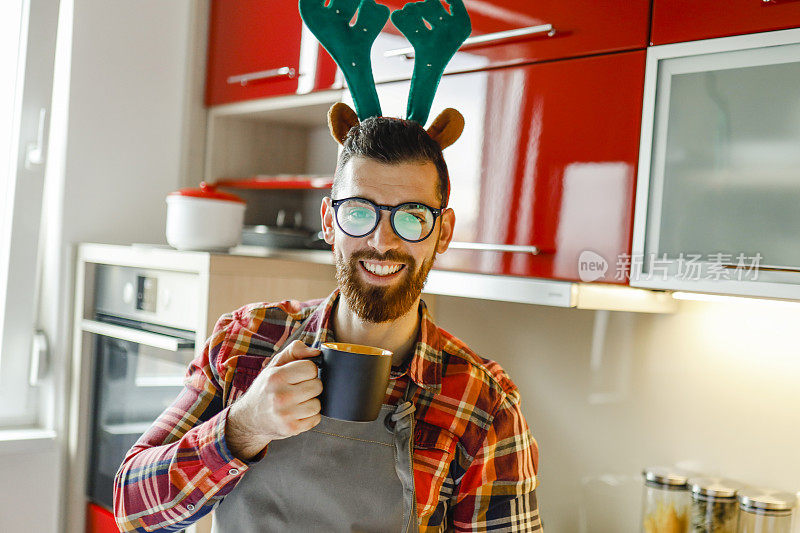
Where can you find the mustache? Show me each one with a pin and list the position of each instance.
(391, 255)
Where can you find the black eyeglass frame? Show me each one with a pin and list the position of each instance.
(378, 208)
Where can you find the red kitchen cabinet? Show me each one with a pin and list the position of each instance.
(580, 27)
(263, 36)
(260, 39)
(689, 20)
(547, 159)
(99, 520)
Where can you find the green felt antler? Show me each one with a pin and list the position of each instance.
(349, 45)
(433, 47)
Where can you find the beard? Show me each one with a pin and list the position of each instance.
(375, 303)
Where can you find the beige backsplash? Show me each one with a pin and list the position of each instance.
(714, 387)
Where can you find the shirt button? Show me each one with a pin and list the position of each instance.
(234, 471)
(190, 507)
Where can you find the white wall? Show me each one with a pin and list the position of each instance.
(127, 110)
(31, 490)
(713, 387)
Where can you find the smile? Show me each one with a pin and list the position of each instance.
(380, 270)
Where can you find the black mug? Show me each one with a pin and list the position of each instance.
(354, 380)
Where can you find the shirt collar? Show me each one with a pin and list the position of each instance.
(425, 367)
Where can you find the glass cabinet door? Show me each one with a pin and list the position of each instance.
(724, 171)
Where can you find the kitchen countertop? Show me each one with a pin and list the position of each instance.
(310, 256)
(307, 256)
(442, 282)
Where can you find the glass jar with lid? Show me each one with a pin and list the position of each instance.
(713, 507)
(665, 503)
(765, 511)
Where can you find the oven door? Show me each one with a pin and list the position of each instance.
(139, 370)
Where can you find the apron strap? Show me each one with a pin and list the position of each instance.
(402, 410)
(405, 407)
(410, 389)
(402, 425)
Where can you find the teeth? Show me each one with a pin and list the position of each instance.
(381, 270)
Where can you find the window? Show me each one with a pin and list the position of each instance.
(27, 48)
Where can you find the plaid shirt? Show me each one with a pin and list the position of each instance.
(475, 460)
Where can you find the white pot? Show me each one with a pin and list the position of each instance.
(204, 219)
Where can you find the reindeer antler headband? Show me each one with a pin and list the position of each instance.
(435, 35)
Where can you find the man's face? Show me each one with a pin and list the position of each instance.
(374, 296)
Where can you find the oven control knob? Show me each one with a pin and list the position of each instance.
(166, 298)
(128, 293)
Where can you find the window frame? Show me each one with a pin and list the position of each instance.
(21, 216)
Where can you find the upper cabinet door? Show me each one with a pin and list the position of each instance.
(509, 32)
(689, 20)
(719, 179)
(260, 48)
(547, 161)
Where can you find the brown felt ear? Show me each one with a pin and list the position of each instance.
(340, 119)
(447, 127)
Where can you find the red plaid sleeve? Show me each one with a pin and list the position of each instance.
(181, 466)
(496, 492)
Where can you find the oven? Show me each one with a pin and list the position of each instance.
(143, 342)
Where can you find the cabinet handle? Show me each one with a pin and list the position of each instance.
(242, 79)
(528, 249)
(771, 268)
(482, 40)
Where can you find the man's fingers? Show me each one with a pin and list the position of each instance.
(307, 423)
(296, 350)
(288, 397)
(308, 408)
(297, 371)
(307, 390)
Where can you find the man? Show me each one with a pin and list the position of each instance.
(243, 435)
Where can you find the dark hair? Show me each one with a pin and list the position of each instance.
(391, 141)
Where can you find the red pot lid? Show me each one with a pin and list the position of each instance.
(208, 191)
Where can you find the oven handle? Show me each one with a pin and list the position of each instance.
(156, 340)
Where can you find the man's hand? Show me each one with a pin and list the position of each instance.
(281, 402)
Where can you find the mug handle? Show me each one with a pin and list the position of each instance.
(317, 360)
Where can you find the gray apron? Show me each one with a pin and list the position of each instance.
(337, 477)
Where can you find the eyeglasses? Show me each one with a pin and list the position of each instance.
(411, 221)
